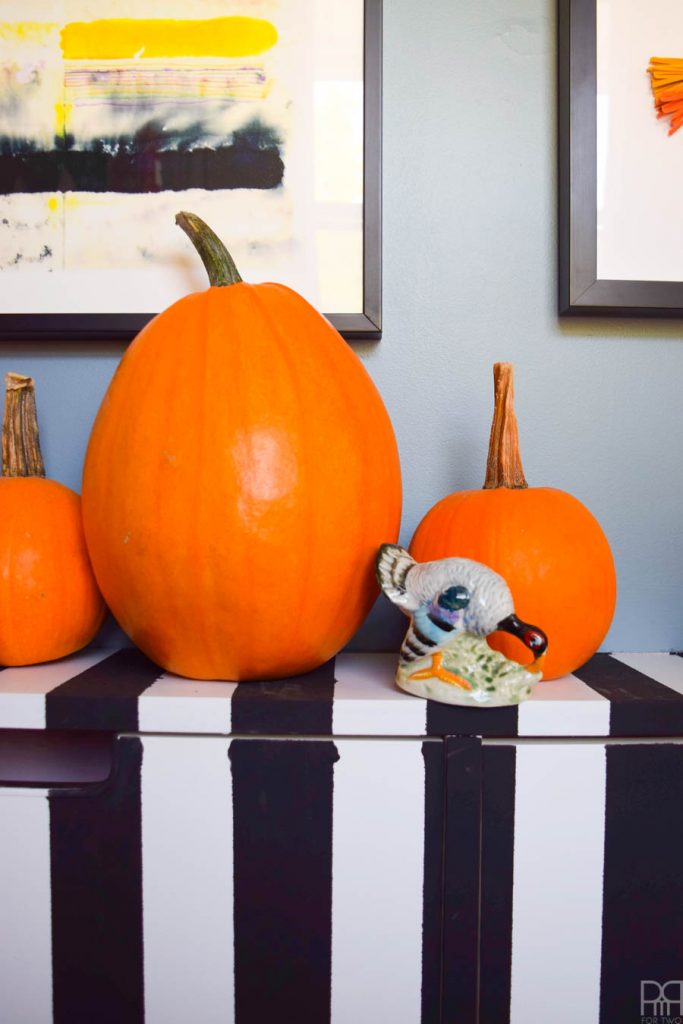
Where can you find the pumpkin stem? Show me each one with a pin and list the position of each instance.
(217, 260)
(504, 463)
(21, 454)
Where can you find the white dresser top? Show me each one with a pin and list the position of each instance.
(352, 695)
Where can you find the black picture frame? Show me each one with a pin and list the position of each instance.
(364, 325)
(581, 292)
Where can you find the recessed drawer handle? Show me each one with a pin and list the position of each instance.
(38, 757)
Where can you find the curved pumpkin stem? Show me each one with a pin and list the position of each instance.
(217, 260)
(504, 463)
(21, 455)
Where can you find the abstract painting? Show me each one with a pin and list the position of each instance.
(114, 115)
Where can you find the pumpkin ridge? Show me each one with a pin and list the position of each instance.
(202, 475)
(366, 538)
(298, 613)
(290, 302)
(290, 305)
(275, 351)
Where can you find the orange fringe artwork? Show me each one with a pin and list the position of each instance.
(666, 78)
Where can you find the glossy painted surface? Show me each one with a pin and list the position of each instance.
(241, 473)
(49, 602)
(553, 554)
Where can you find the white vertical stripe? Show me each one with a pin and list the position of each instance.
(174, 704)
(558, 872)
(663, 668)
(25, 922)
(187, 858)
(23, 690)
(377, 881)
(367, 701)
(564, 707)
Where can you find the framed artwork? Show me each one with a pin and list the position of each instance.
(621, 219)
(261, 116)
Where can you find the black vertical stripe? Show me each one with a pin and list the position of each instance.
(96, 883)
(461, 880)
(497, 860)
(104, 696)
(454, 720)
(642, 922)
(432, 905)
(639, 705)
(301, 705)
(282, 813)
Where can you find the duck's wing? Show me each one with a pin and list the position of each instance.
(394, 565)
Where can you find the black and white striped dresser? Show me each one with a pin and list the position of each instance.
(330, 848)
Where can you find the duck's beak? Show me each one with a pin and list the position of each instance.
(531, 636)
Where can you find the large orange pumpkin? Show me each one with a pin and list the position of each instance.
(241, 474)
(544, 542)
(49, 602)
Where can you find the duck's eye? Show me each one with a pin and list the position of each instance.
(454, 598)
(535, 640)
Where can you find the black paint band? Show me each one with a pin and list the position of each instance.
(497, 869)
(282, 821)
(96, 884)
(639, 705)
(452, 720)
(301, 705)
(642, 922)
(60, 170)
(104, 696)
(461, 879)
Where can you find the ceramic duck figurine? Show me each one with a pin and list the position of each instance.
(453, 604)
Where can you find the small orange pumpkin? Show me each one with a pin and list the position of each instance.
(241, 473)
(547, 545)
(49, 602)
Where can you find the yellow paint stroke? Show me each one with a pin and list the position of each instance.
(124, 38)
(63, 112)
(27, 31)
(53, 203)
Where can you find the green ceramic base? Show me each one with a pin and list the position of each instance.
(495, 681)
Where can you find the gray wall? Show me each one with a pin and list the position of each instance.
(470, 238)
